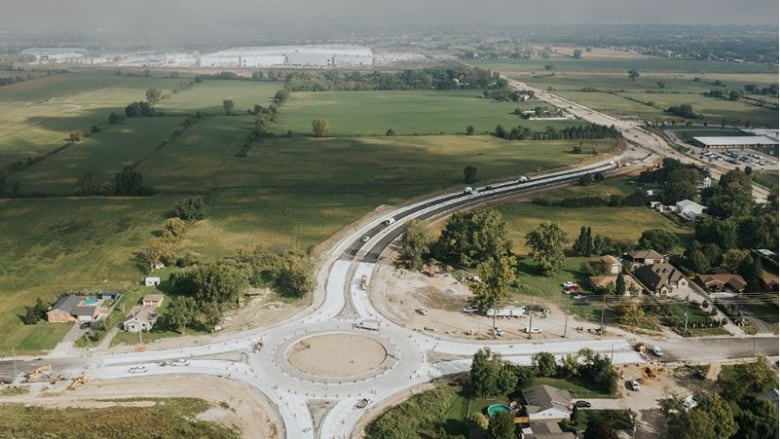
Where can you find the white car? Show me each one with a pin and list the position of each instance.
(138, 369)
(180, 362)
(498, 332)
(569, 285)
(470, 309)
(388, 221)
(635, 385)
(365, 238)
(657, 351)
(533, 330)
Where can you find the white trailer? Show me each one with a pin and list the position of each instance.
(370, 324)
(507, 311)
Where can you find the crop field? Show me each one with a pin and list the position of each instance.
(405, 112)
(37, 115)
(208, 96)
(659, 65)
(711, 109)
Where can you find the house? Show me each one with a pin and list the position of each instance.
(143, 320)
(645, 257)
(546, 403)
(73, 308)
(718, 282)
(689, 209)
(705, 183)
(153, 300)
(602, 282)
(152, 281)
(545, 430)
(611, 264)
(661, 278)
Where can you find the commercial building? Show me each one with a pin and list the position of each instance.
(303, 56)
(735, 142)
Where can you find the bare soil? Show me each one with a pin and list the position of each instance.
(336, 355)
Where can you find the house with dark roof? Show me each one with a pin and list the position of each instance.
(661, 278)
(645, 257)
(545, 430)
(73, 308)
(719, 282)
(546, 403)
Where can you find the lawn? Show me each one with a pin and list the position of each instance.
(172, 418)
(405, 112)
(578, 389)
(208, 96)
(710, 109)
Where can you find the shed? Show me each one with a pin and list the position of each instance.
(611, 264)
(153, 300)
(152, 281)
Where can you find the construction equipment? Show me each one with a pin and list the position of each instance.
(37, 372)
(77, 382)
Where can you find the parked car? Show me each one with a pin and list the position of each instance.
(422, 311)
(634, 385)
(180, 362)
(533, 330)
(582, 404)
(498, 332)
(138, 369)
(657, 351)
(470, 309)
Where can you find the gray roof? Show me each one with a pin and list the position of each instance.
(67, 303)
(545, 397)
(736, 140)
(656, 276)
(645, 254)
(84, 310)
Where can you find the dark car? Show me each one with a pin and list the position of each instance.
(582, 404)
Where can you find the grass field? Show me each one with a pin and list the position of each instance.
(405, 112)
(208, 96)
(617, 65)
(172, 418)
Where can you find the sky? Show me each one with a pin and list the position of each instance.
(176, 16)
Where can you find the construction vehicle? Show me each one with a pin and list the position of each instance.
(77, 382)
(37, 372)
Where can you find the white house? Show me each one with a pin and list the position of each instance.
(705, 183)
(152, 281)
(546, 403)
(689, 209)
(143, 320)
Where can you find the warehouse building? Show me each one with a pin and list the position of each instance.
(734, 142)
(296, 56)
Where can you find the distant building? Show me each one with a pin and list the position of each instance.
(719, 282)
(734, 142)
(602, 282)
(645, 257)
(689, 209)
(706, 182)
(153, 300)
(661, 278)
(152, 281)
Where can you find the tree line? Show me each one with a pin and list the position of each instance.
(590, 131)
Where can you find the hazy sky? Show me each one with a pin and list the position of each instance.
(176, 15)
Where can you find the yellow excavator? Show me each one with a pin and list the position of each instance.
(37, 372)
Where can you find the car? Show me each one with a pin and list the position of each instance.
(582, 404)
(362, 403)
(470, 309)
(388, 221)
(84, 325)
(498, 332)
(180, 362)
(365, 238)
(138, 369)
(534, 330)
(422, 311)
(657, 351)
(570, 286)
(487, 188)
(634, 385)
(578, 297)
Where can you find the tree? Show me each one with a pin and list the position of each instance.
(479, 420)
(631, 315)
(496, 275)
(506, 380)
(139, 109)
(620, 284)
(545, 364)
(583, 245)
(296, 278)
(35, 313)
(658, 239)
(390, 132)
(115, 118)
(501, 426)
(680, 184)
(153, 96)
(483, 373)
(181, 312)
(415, 244)
(732, 197)
(130, 182)
(470, 130)
(173, 229)
(757, 418)
(738, 382)
(546, 243)
(321, 127)
(228, 105)
(599, 429)
(633, 74)
(469, 174)
(86, 184)
(471, 237)
(191, 209)
(156, 251)
(733, 259)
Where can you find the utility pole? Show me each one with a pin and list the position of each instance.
(566, 322)
(603, 308)
(530, 321)
(687, 305)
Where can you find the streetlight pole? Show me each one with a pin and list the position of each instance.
(566, 322)
(603, 308)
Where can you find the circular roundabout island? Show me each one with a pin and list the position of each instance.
(336, 355)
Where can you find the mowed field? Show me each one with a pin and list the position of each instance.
(406, 112)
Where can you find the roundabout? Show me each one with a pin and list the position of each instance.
(337, 355)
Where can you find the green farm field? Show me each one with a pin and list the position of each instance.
(405, 112)
(621, 65)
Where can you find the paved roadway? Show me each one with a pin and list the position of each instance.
(340, 303)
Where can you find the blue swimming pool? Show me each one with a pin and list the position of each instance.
(91, 302)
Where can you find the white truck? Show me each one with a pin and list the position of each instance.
(507, 311)
(370, 324)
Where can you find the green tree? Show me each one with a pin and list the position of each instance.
(320, 127)
(546, 243)
(756, 419)
(633, 74)
(631, 315)
(471, 237)
(545, 364)
(680, 184)
(153, 96)
(35, 313)
(658, 239)
(115, 118)
(732, 197)
(733, 258)
(296, 278)
(173, 229)
(415, 244)
(156, 251)
(483, 374)
(469, 174)
(737, 382)
(191, 209)
(506, 379)
(496, 275)
(470, 130)
(620, 284)
(599, 429)
(130, 182)
(228, 106)
(181, 312)
(501, 426)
